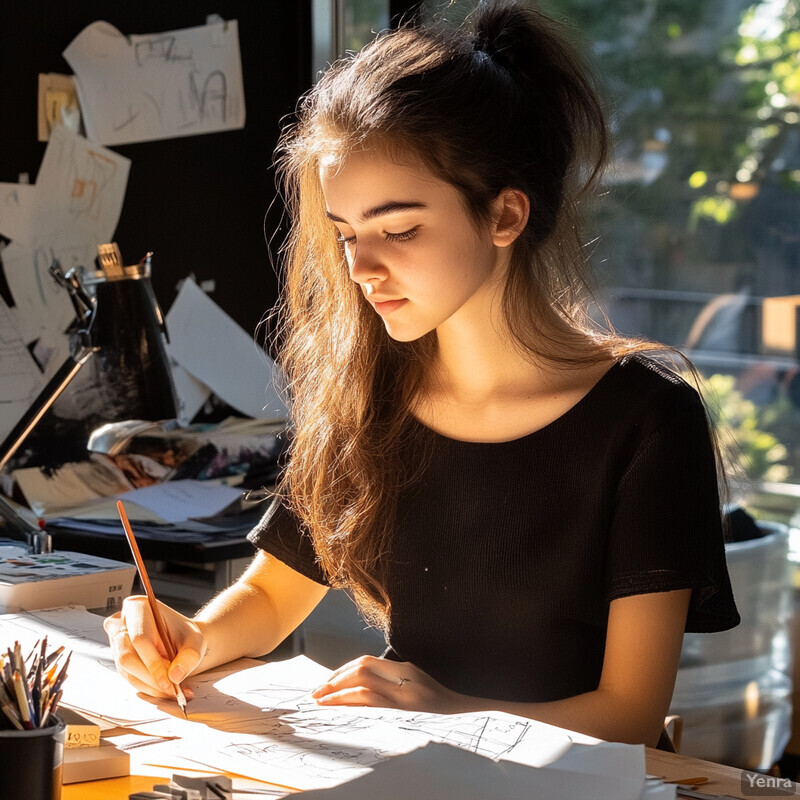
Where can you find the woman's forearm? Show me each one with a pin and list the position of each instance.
(257, 612)
(236, 623)
(601, 713)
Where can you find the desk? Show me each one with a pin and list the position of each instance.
(215, 548)
(722, 780)
(185, 573)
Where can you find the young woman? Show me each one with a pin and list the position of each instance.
(526, 504)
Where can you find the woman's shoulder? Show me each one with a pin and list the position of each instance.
(656, 376)
(649, 388)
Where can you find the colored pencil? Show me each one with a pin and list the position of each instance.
(29, 693)
(151, 599)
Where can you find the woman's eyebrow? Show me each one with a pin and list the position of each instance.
(381, 210)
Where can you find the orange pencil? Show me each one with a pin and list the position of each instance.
(151, 599)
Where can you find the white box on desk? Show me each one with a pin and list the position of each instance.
(63, 578)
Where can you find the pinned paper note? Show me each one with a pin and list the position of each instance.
(210, 346)
(15, 204)
(74, 205)
(20, 379)
(79, 189)
(177, 83)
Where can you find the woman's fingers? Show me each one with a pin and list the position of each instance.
(141, 656)
(357, 696)
(136, 655)
(367, 681)
(141, 686)
(366, 666)
(370, 681)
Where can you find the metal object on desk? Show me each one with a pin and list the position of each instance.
(184, 787)
(133, 376)
(40, 542)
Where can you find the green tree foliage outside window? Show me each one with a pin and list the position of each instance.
(700, 220)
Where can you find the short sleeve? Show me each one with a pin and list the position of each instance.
(282, 535)
(666, 531)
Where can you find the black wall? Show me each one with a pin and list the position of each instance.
(198, 202)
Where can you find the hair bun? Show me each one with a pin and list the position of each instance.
(499, 28)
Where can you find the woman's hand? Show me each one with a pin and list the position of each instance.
(370, 681)
(141, 656)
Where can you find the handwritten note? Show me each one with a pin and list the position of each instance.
(177, 83)
(42, 308)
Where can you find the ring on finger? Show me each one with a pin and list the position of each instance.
(403, 681)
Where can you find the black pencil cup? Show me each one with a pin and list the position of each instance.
(31, 762)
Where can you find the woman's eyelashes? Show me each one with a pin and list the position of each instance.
(402, 236)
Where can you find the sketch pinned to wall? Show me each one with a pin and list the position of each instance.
(158, 86)
(79, 189)
(15, 202)
(19, 376)
(74, 205)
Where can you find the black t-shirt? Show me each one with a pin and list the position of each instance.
(505, 556)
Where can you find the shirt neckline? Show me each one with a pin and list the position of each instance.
(573, 409)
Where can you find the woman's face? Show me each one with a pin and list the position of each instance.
(419, 258)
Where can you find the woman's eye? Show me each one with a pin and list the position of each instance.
(403, 236)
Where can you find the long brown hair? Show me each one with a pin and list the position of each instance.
(502, 102)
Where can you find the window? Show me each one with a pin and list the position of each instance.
(342, 25)
(699, 230)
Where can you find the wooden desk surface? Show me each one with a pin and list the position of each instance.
(721, 780)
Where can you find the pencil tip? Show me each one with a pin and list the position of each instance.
(181, 698)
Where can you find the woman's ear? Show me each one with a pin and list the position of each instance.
(510, 211)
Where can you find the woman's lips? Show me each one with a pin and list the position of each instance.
(387, 306)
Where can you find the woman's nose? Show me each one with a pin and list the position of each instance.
(365, 264)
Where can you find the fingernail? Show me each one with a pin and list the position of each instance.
(164, 685)
(317, 691)
(177, 674)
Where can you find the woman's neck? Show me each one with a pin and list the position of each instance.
(477, 364)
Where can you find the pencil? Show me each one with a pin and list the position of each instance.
(28, 696)
(23, 701)
(151, 599)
